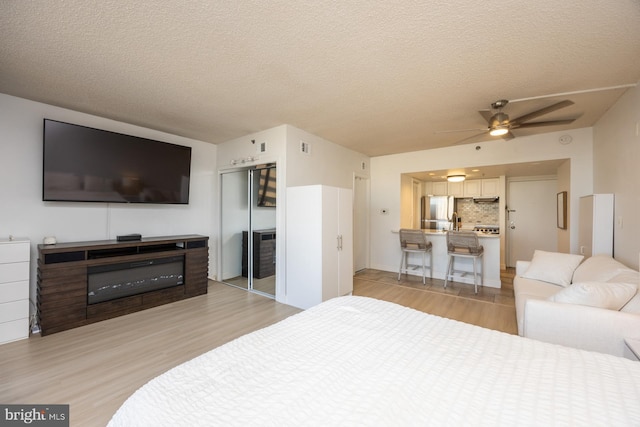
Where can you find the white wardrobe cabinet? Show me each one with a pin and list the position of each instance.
(595, 232)
(319, 244)
(14, 289)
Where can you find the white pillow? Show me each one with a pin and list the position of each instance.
(598, 268)
(607, 295)
(552, 267)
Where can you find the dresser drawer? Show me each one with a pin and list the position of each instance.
(14, 310)
(14, 330)
(14, 251)
(14, 272)
(14, 291)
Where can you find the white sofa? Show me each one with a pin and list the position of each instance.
(592, 305)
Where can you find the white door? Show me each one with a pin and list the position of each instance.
(531, 218)
(360, 223)
(345, 250)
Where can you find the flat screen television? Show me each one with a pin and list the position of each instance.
(83, 164)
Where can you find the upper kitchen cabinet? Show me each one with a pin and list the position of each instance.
(440, 188)
(456, 189)
(473, 188)
(490, 187)
(427, 188)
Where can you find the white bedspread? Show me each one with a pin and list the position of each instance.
(360, 361)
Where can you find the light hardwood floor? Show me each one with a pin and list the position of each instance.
(96, 367)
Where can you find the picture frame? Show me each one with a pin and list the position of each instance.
(562, 210)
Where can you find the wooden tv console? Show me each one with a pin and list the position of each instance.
(63, 271)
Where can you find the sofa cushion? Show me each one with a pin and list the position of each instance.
(525, 289)
(552, 267)
(630, 276)
(598, 268)
(609, 295)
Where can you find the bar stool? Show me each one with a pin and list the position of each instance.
(415, 241)
(464, 244)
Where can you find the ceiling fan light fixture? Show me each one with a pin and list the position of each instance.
(456, 178)
(499, 130)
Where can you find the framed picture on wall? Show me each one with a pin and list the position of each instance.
(562, 210)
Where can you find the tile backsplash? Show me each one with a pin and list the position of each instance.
(477, 213)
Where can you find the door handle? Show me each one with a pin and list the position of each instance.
(339, 242)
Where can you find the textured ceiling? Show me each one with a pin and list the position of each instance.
(379, 77)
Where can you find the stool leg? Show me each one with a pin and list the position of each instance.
(475, 277)
(402, 255)
(431, 264)
(446, 274)
(424, 255)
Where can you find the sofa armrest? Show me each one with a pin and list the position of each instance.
(580, 326)
(521, 267)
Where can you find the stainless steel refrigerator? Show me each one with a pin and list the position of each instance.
(436, 212)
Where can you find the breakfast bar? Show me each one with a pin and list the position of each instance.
(490, 259)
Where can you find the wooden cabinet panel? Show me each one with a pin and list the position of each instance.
(63, 276)
(440, 188)
(490, 187)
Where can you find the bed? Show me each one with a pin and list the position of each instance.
(360, 361)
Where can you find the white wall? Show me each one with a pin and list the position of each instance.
(24, 214)
(616, 152)
(386, 174)
(327, 163)
(564, 184)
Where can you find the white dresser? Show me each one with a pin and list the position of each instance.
(14, 289)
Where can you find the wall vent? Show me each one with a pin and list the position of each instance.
(305, 148)
(262, 147)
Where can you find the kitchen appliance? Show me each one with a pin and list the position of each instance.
(487, 229)
(436, 212)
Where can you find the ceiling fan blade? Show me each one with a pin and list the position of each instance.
(548, 123)
(486, 114)
(462, 130)
(540, 112)
(469, 139)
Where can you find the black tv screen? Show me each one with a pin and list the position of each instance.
(83, 164)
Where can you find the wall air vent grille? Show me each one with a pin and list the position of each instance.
(305, 148)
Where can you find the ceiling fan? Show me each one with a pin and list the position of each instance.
(499, 123)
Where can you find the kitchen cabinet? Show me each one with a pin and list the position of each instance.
(440, 188)
(473, 188)
(14, 289)
(455, 189)
(319, 244)
(595, 228)
(490, 187)
(481, 187)
(427, 188)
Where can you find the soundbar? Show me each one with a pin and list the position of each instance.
(129, 237)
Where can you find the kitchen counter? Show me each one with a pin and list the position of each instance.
(443, 233)
(490, 259)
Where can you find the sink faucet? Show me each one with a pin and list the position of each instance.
(454, 220)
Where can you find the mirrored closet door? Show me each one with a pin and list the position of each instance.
(248, 229)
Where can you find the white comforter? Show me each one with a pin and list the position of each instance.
(360, 361)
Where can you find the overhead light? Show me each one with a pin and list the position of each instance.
(456, 178)
(499, 130)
